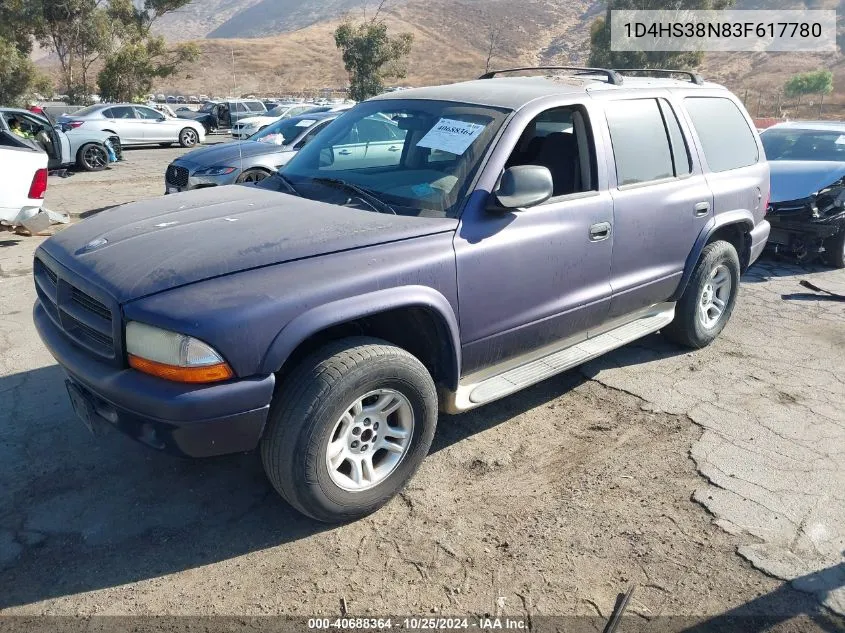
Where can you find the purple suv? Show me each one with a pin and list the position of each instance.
(508, 230)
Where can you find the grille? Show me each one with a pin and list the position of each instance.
(90, 304)
(177, 176)
(83, 318)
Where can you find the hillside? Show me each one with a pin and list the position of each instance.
(287, 46)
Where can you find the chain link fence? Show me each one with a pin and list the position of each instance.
(774, 104)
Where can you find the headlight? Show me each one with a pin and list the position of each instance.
(173, 356)
(215, 171)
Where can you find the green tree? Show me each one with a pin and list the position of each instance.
(140, 57)
(19, 77)
(371, 56)
(129, 72)
(602, 57)
(79, 32)
(818, 82)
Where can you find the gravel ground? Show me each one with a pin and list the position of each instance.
(685, 473)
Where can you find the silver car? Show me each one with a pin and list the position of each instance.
(136, 125)
(245, 161)
(83, 149)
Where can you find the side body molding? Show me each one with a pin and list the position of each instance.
(742, 217)
(344, 310)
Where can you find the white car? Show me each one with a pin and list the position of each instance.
(136, 125)
(248, 126)
(23, 182)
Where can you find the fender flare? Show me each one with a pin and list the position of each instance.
(343, 311)
(743, 217)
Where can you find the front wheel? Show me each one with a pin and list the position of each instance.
(348, 427)
(188, 137)
(709, 299)
(252, 175)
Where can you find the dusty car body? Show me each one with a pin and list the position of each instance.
(807, 205)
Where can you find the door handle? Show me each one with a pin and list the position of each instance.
(702, 209)
(392, 148)
(344, 152)
(600, 231)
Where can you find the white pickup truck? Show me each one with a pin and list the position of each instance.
(23, 181)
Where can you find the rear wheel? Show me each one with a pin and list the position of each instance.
(188, 137)
(252, 175)
(709, 299)
(835, 250)
(348, 427)
(92, 157)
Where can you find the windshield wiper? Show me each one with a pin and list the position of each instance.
(288, 184)
(376, 203)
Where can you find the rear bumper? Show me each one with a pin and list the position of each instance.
(191, 420)
(759, 237)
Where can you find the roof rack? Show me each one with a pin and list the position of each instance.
(613, 77)
(695, 78)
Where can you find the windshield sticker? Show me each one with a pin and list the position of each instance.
(274, 139)
(306, 123)
(451, 135)
(840, 140)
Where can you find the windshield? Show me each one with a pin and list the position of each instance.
(283, 132)
(418, 157)
(792, 144)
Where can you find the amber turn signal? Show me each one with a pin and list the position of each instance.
(203, 374)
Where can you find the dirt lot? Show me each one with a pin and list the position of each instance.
(655, 466)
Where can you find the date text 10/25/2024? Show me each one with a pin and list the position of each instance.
(484, 623)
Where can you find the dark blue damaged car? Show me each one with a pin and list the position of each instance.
(509, 229)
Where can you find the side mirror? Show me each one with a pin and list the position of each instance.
(523, 186)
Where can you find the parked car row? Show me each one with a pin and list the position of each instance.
(135, 124)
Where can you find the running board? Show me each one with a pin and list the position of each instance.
(517, 374)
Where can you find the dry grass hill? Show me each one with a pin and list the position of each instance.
(287, 46)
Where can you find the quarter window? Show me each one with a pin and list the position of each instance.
(640, 141)
(725, 136)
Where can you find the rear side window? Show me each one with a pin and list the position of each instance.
(122, 112)
(640, 141)
(255, 106)
(726, 139)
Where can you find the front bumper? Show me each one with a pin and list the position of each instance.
(191, 420)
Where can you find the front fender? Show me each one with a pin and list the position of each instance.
(344, 310)
(743, 217)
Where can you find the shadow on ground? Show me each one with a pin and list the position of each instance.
(79, 513)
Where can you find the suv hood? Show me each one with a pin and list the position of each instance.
(147, 247)
(191, 115)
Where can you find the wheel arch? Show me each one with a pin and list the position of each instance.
(734, 227)
(417, 318)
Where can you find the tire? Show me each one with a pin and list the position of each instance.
(92, 157)
(252, 175)
(835, 250)
(316, 403)
(693, 326)
(188, 137)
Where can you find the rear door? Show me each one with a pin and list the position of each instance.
(125, 123)
(736, 171)
(661, 200)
